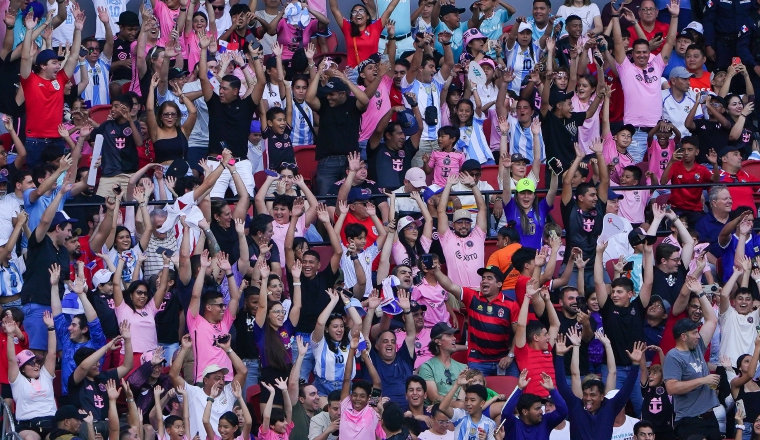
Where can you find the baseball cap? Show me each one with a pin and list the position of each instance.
(356, 195)
(727, 149)
(175, 73)
(488, 61)
(494, 270)
(430, 192)
(256, 126)
(416, 307)
(101, 277)
(612, 195)
(406, 221)
(462, 214)
(525, 184)
(636, 237)
(47, 55)
(372, 59)
(3, 177)
(628, 127)
(684, 325)
(524, 27)
(679, 72)
(62, 217)
(36, 8)
(517, 157)
(408, 122)
(469, 165)
(213, 368)
(68, 412)
(128, 18)
(440, 329)
(472, 34)
(697, 26)
(416, 177)
(685, 34)
(333, 85)
(556, 96)
(448, 9)
(665, 303)
(24, 357)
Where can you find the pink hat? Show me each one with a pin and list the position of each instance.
(472, 34)
(489, 62)
(24, 357)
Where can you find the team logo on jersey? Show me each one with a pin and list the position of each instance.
(500, 313)
(55, 84)
(127, 131)
(750, 319)
(696, 176)
(469, 243)
(402, 153)
(489, 309)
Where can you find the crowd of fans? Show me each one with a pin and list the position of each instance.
(144, 297)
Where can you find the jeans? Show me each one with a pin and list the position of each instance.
(363, 149)
(252, 378)
(34, 147)
(330, 170)
(325, 387)
(492, 368)
(169, 350)
(307, 365)
(34, 327)
(638, 146)
(622, 374)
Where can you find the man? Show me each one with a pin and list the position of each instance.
(683, 168)
(356, 178)
(654, 326)
(731, 171)
(342, 112)
(533, 341)
(573, 36)
(414, 181)
(671, 262)
(711, 224)
(230, 119)
(688, 379)
(68, 421)
(648, 26)
(678, 100)
(463, 246)
(539, 19)
(44, 91)
(723, 24)
(532, 423)
(492, 321)
(394, 152)
(326, 424)
(643, 108)
(695, 63)
(623, 425)
(47, 246)
(98, 64)
(121, 57)
(212, 374)
(570, 315)
(305, 401)
(643, 430)
(474, 169)
(425, 80)
(222, 14)
(688, 306)
(423, 335)
(45, 177)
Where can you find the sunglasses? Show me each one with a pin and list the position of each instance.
(219, 8)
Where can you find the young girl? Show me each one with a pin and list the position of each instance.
(229, 426)
(662, 148)
(409, 245)
(582, 100)
(277, 423)
(172, 427)
(196, 22)
(450, 96)
(447, 161)
(656, 396)
(472, 138)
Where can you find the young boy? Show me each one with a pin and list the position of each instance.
(277, 136)
(615, 147)
(359, 420)
(634, 203)
(713, 130)
(356, 237)
(683, 168)
(661, 150)
(656, 398)
(469, 422)
(173, 427)
(245, 345)
(446, 160)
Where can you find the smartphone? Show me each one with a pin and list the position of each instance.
(427, 261)
(736, 60)
(83, 52)
(619, 3)
(666, 208)
(167, 252)
(420, 35)
(658, 35)
(555, 165)
(160, 250)
(271, 173)
(223, 339)
(253, 41)
(581, 304)
(374, 398)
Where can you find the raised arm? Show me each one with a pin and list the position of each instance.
(71, 62)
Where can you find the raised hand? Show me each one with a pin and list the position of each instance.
(638, 351)
(560, 346)
(55, 274)
(523, 380)
(546, 381)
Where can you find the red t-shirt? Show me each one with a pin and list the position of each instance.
(658, 27)
(668, 342)
(688, 199)
(4, 354)
(361, 47)
(396, 99)
(371, 233)
(44, 100)
(702, 84)
(489, 325)
(537, 362)
(520, 288)
(617, 100)
(742, 195)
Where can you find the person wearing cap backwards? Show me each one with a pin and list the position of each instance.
(532, 423)
(688, 379)
(492, 320)
(68, 423)
(642, 92)
(448, 21)
(522, 54)
(98, 64)
(731, 171)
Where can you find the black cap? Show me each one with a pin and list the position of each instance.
(177, 169)
(372, 59)
(556, 96)
(494, 270)
(631, 129)
(440, 329)
(128, 18)
(448, 9)
(470, 164)
(684, 325)
(636, 237)
(416, 307)
(333, 85)
(685, 34)
(68, 412)
(175, 73)
(517, 157)
(727, 149)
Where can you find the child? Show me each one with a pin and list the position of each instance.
(301, 117)
(356, 237)
(357, 418)
(658, 158)
(255, 147)
(714, 129)
(446, 162)
(238, 410)
(472, 138)
(277, 423)
(20, 339)
(467, 420)
(634, 203)
(450, 96)
(422, 18)
(522, 54)
(277, 136)
(595, 347)
(656, 397)
(615, 147)
(229, 427)
(172, 427)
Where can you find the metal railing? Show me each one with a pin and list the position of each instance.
(9, 425)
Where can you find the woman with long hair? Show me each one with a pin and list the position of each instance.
(472, 139)
(118, 244)
(584, 95)
(168, 134)
(196, 23)
(362, 35)
(331, 340)
(409, 245)
(273, 333)
(741, 132)
(746, 389)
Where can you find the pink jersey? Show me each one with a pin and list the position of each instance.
(135, 85)
(191, 52)
(633, 204)
(142, 323)
(434, 297)
(204, 335)
(167, 19)
(590, 129)
(464, 256)
(271, 435)
(642, 92)
(279, 231)
(659, 158)
(445, 164)
(613, 157)
(358, 425)
(379, 105)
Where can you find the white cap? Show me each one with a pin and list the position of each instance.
(524, 27)
(213, 368)
(101, 277)
(697, 26)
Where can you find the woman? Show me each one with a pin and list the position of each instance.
(147, 55)
(441, 371)
(168, 135)
(273, 333)
(741, 131)
(526, 210)
(135, 307)
(584, 94)
(409, 245)
(119, 243)
(197, 22)
(294, 27)
(331, 341)
(361, 34)
(441, 427)
(31, 381)
(754, 432)
(229, 426)
(588, 13)
(276, 290)
(472, 139)
(744, 388)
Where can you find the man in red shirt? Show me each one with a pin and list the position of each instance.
(689, 304)
(682, 168)
(396, 95)
(43, 91)
(647, 25)
(695, 62)
(731, 171)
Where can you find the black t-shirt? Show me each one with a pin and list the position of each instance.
(559, 135)
(9, 84)
(623, 326)
(229, 123)
(90, 395)
(145, 84)
(245, 343)
(273, 256)
(119, 149)
(279, 147)
(343, 121)
(583, 228)
(668, 285)
(314, 298)
(711, 134)
(121, 52)
(387, 167)
(40, 256)
(565, 324)
(167, 318)
(228, 240)
(104, 307)
(658, 408)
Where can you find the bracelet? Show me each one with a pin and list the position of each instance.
(183, 9)
(51, 329)
(311, 65)
(210, 399)
(255, 58)
(207, 230)
(130, 400)
(10, 27)
(243, 67)
(230, 275)
(166, 266)
(446, 44)
(229, 351)
(407, 312)
(234, 172)
(738, 426)
(296, 284)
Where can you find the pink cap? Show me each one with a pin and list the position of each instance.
(489, 62)
(416, 177)
(24, 357)
(471, 34)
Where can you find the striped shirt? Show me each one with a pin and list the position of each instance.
(97, 89)
(328, 364)
(473, 141)
(427, 95)
(490, 324)
(521, 139)
(523, 61)
(10, 279)
(301, 134)
(467, 429)
(366, 257)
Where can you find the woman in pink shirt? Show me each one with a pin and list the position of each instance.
(229, 426)
(194, 24)
(584, 93)
(409, 245)
(135, 307)
(294, 36)
(362, 35)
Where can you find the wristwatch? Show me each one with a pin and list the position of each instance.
(511, 355)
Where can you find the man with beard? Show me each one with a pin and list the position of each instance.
(688, 305)
(492, 319)
(531, 422)
(356, 179)
(304, 398)
(575, 315)
(422, 333)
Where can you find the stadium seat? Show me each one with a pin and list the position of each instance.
(99, 113)
(490, 175)
(307, 165)
(752, 167)
(460, 356)
(502, 384)
(252, 396)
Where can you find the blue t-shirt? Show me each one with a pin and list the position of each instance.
(393, 376)
(512, 212)
(751, 250)
(456, 38)
(36, 209)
